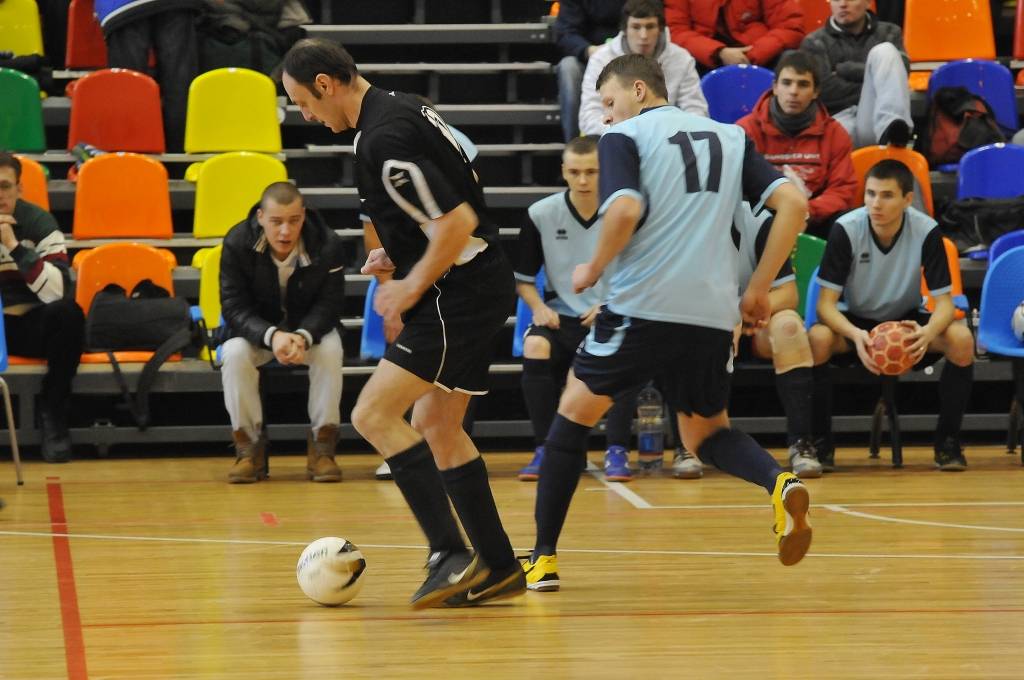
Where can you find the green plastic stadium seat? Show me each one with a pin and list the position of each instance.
(21, 113)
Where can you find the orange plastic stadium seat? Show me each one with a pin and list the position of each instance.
(863, 159)
(117, 110)
(33, 183)
(125, 264)
(957, 287)
(943, 30)
(122, 195)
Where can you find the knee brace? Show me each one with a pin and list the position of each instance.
(790, 347)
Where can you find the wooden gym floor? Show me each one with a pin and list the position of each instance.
(144, 569)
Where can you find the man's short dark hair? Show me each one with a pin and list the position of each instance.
(893, 169)
(8, 160)
(582, 145)
(630, 67)
(282, 193)
(801, 62)
(311, 56)
(643, 9)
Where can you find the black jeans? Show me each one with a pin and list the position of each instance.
(173, 37)
(53, 332)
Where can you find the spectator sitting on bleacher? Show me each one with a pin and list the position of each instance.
(874, 260)
(41, 318)
(133, 28)
(643, 32)
(794, 132)
(282, 295)
(581, 28)
(864, 74)
(723, 32)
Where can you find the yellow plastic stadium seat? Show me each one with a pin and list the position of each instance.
(20, 30)
(208, 262)
(229, 185)
(232, 109)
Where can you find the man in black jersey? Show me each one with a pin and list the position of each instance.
(453, 289)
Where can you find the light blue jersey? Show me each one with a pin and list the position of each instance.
(557, 237)
(691, 174)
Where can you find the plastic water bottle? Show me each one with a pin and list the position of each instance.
(981, 353)
(650, 430)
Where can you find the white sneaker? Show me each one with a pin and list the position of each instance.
(384, 471)
(685, 465)
(801, 457)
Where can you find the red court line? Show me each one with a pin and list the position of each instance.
(269, 518)
(480, 613)
(74, 644)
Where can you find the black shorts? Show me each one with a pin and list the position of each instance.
(564, 341)
(448, 337)
(693, 363)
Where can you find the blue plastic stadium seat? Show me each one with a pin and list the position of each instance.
(988, 79)
(732, 91)
(992, 171)
(372, 344)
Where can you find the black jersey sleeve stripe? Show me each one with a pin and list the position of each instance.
(837, 261)
(620, 163)
(936, 264)
(759, 177)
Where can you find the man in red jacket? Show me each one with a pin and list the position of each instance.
(794, 132)
(722, 32)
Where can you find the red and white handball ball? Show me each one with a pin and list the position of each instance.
(890, 347)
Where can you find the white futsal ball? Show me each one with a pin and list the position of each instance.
(330, 571)
(1018, 322)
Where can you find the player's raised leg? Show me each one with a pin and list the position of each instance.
(736, 453)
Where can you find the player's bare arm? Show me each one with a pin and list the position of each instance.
(790, 207)
(620, 221)
(377, 263)
(939, 321)
(542, 314)
(783, 297)
(829, 314)
(449, 234)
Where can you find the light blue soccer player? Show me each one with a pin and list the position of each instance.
(671, 185)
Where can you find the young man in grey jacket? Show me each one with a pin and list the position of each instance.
(643, 32)
(864, 81)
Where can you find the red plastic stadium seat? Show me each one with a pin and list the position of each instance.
(85, 47)
(117, 110)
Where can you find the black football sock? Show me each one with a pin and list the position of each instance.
(821, 422)
(954, 393)
(738, 454)
(541, 395)
(619, 420)
(565, 457)
(471, 495)
(796, 392)
(416, 476)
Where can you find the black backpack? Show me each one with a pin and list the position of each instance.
(972, 222)
(148, 319)
(957, 122)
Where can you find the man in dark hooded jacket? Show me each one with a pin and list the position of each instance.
(282, 289)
